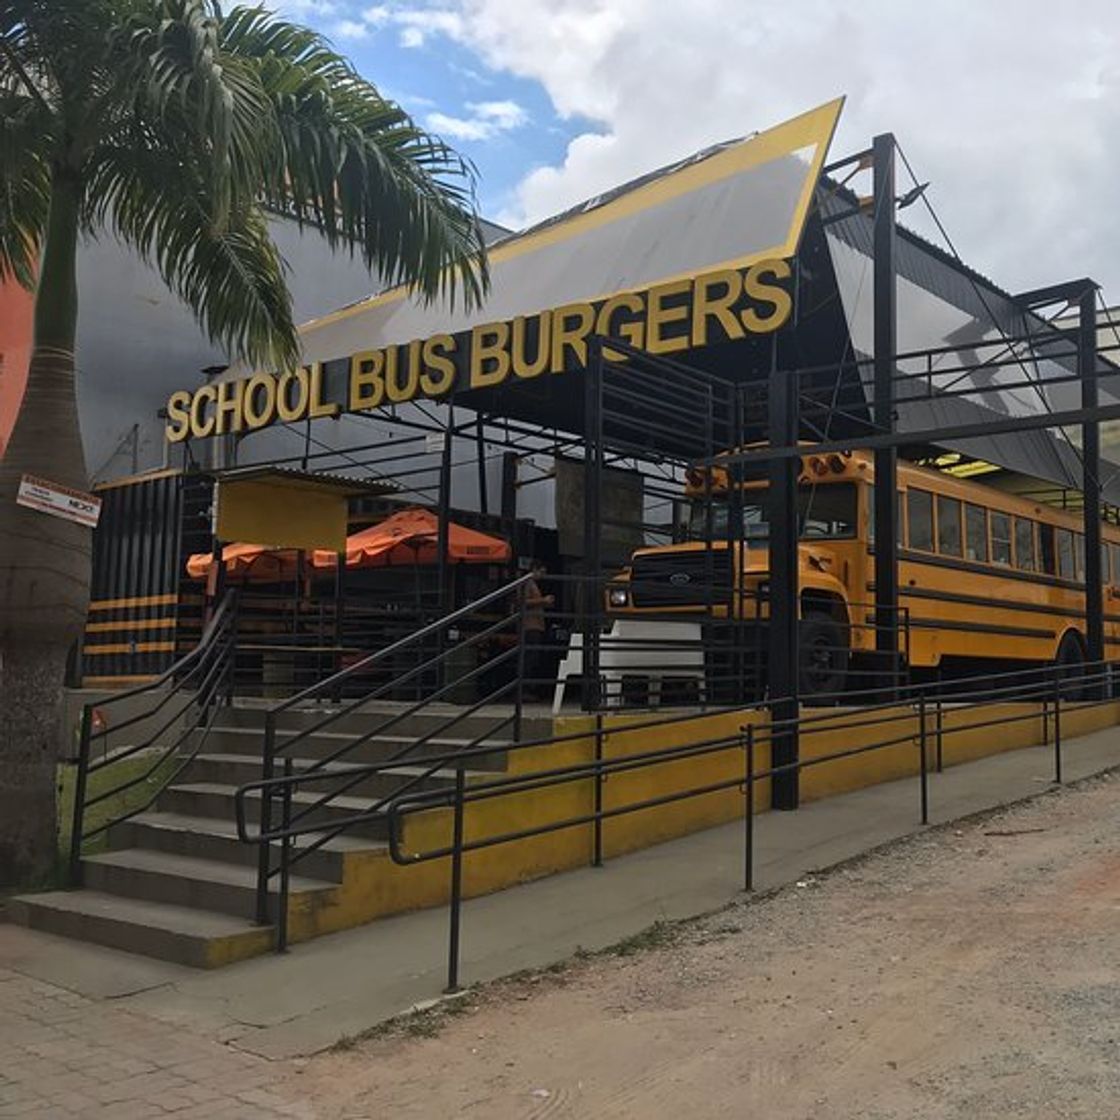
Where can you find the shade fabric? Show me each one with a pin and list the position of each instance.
(249, 562)
(412, 537)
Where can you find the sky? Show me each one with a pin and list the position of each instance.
(1009, 108)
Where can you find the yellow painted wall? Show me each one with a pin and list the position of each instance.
(374, 886)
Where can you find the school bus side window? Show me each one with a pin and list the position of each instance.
(919, 519)
(1065, 554)
(1114, 556)
(1001, 538)
(948, 526)
(1048, 550)
(1025, 558)
(976, 533)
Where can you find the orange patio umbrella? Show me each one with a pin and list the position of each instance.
(248, 562)
(412, 537)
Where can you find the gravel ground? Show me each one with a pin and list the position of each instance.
(971, 972)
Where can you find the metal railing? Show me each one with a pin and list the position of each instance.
(425, 658)
(185, 700)
(295, 794)
(916, 719)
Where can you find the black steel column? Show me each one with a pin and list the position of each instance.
(592, 607)
(480, 449)
(782, 637)
(1090, 477)
(444, 510)
(886, 459)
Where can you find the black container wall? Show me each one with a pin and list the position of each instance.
(139, 616)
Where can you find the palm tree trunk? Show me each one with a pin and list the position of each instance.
(44, 561)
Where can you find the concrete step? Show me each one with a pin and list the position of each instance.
(241, 769)
(189, 881)
(213, 838)
(446, 720)
(224, 739)
(199, 938)
(216, 800)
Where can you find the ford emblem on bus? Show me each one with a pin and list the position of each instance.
(679, 579)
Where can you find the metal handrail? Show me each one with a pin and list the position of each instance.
(331, 686)
(1052, 686)
(203, 675)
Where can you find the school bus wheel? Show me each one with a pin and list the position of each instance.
(1070, 663)
(824, 655)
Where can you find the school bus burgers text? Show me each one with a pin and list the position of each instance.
(719, 306)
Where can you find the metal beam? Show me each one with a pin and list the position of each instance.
(782, 655)
(1072, 290)
(886, 457)
(1091, 472)
(936, 436)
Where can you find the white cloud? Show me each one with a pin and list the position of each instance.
(418, 24)
(487, 119)
(304, 10)
(350, 29)
(1011, 110)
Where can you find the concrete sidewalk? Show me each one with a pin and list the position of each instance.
(321, 991)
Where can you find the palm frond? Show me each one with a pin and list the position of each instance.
(24, 184)
(225, 268)
(356, 166)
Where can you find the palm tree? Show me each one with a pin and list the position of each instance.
(177, 128)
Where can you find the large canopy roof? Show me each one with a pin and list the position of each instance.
(728, 206)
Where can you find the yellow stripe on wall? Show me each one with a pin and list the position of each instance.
(135, 624)
(128, 647)
(141, 601)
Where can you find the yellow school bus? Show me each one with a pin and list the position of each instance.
(985, 576)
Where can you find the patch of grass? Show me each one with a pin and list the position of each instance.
(656, 936)
(130, 784)
(424, 1023)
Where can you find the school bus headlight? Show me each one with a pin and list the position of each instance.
(619, 597)
(836, 463)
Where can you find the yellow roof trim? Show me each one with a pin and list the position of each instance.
(814, 127)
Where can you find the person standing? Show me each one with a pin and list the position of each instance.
(533, 631)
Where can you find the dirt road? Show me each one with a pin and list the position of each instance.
(969, 973)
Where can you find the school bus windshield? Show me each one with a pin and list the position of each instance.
(823, 513)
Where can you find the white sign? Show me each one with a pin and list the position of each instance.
(58, 501)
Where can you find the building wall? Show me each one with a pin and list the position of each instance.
(15, 348)
(137, 342)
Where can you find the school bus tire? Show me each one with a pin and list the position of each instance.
(823, 655)
(1070, 663)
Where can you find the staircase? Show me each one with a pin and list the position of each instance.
(176, 882)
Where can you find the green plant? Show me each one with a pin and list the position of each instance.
(178, 128)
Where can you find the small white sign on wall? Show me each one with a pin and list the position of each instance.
(58, 501)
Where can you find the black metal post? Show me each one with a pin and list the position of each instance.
(264, 852)
(285, 864)
(456, 883)
(922, 766)
(480, 450)
(509, 493)
(886, 458)
(939, 729)
(519, 684)
(592, 491)
(444, 510)
(339, 617)
(1057, 727)
(748, 819)
(77, 824)
(783, 652)
(1090, 477)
